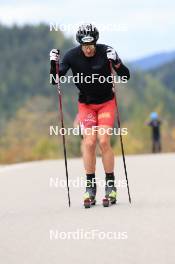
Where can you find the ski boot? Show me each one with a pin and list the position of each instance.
(110, 195)
(89, 196)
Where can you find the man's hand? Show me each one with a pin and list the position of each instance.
(112, 55)
(54, 55)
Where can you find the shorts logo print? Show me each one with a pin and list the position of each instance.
(90, 118)
(104, 115)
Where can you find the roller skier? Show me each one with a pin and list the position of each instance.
(96, 103)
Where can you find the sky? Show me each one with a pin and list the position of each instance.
(135, 28)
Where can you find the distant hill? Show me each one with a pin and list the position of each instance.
(165, 74)
(24, 68)
(153, 61)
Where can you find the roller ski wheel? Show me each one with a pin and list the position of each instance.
(108, 202)
(88, 203)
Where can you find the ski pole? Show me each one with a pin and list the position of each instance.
(119, 126)
(62, 126)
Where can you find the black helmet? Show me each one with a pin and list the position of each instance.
(87, 34)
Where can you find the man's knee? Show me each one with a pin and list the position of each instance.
(90, 143)
(104, 144)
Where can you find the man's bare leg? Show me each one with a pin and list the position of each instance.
(89, 158)
(89, 152)
(106, 151)
(108, 164)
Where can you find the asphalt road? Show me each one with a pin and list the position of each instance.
(36, 225)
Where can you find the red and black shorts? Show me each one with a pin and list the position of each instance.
(97, 114)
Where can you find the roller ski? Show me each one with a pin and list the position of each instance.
(110, 195)
(88, 202)
(109, 200)
(89, 196)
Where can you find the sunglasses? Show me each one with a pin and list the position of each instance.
(88, 46)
